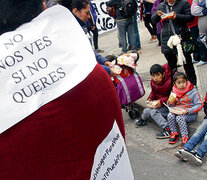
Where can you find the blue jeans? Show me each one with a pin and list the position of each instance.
(126, 26)
(136, 33)
(201, 132)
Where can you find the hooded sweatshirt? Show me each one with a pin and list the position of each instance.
(188, 98)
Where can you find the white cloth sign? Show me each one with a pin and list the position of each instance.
(111, 159)
(104, 22)
(40, 61)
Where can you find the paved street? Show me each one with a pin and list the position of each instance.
(152, 158)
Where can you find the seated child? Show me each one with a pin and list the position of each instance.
(161, 86)
(188, 99)
(127, 64)
(187, 152)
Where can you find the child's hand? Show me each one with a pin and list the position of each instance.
(158, 105)
(185, 112)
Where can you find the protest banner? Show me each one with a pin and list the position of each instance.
(40, 61)
(105, 23)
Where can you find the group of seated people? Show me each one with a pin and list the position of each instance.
(175, 100)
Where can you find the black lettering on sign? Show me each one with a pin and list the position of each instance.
(11, 42)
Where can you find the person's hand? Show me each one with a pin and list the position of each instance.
(160, 13)
(158, 105)
(172, 17)
(108, 63)
(185, 112)
(149, 99)
(113, 74)
(169, 102)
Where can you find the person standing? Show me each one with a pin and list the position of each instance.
(181, 16)
(151, 27)
(125, 25)
(199, 9)
(91, 25)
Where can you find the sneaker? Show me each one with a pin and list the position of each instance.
(164, 134)
(184, 141)
(140, 123)
(193, 157)
(194, 61)
(99, 51)
(179, 154)
(200, 63)
(173, 138)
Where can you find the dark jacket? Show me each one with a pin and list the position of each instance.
(183, 16)
(161, 91)
(100, 59)
(117, 4)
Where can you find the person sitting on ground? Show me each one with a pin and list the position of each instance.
(161, 86)
(187, 103)
(187, 153)
(81, 11)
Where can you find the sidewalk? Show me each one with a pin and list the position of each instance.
(149, 55)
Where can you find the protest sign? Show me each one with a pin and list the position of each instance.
(105, 23)
(111, 159)
(40, 61)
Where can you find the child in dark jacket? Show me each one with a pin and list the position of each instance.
(161, 87)
(187, 152)
(186, 106)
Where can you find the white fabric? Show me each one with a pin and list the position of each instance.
(176, 41)
(40, 61)
(111, 161)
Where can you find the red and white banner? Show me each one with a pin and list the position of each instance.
(40, 61)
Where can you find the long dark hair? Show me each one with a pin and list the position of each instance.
(14, 13)
(71, 4)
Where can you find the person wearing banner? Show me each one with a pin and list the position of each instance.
(57, 140)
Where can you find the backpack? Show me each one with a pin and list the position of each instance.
(129, 8)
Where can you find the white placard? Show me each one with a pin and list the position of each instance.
(40, 61)
(104, 22)
(111, 161)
